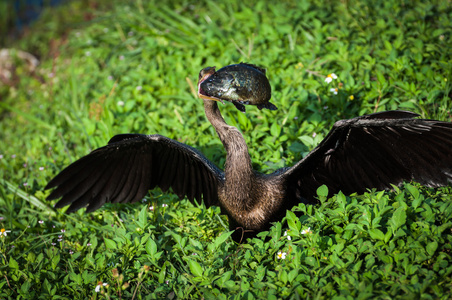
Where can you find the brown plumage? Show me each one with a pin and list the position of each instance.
(372, 151)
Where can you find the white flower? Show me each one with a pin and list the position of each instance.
(306, 231)
(151, 207)
(330, 77)
(97, 289)
(121, 103)
(281, 255)
(3, 232)
(41, 168)
(139, 88)
(288, 236)
(334, 90)
(164, 205)
(41, 222)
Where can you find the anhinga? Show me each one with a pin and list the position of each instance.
(372, 151)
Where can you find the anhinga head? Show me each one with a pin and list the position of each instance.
(203, 75)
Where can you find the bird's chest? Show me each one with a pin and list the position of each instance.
(245, 204)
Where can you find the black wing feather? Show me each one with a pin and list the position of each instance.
(130, 165)
(374, 151)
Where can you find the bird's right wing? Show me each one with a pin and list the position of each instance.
(375, 151)
(129, 166)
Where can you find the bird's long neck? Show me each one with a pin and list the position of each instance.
(249, 200)
(239, 174)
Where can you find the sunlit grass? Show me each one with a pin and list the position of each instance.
(122, 67)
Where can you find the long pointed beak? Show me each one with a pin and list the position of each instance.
(205, 97)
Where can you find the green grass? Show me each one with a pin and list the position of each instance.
(121, 67)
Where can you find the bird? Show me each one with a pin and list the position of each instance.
(374, 151)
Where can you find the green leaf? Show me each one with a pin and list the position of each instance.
(243, 121)
(292, 275)
(89, 126)
(431, 248)
(54, 261)
(398, 218)
(341, 200)
(25, 287)
(413, 191)
(311, 261)
(388, 236)
(322, 191)
(110, 244)
(293, 222)
(195, 268)
(275, 129)
(76, 277)
(376, 234)
(381, 78)
(307, 141)
(282, 276)
(151, 247)
(223, 278)
(220, 240)
(417, 202)
(162, 273)
(88, 277)
(143, 217)
(13, 263)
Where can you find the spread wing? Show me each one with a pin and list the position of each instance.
(129, 166)
(375, 151)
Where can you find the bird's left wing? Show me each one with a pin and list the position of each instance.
(375, 151)
(129, 166)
